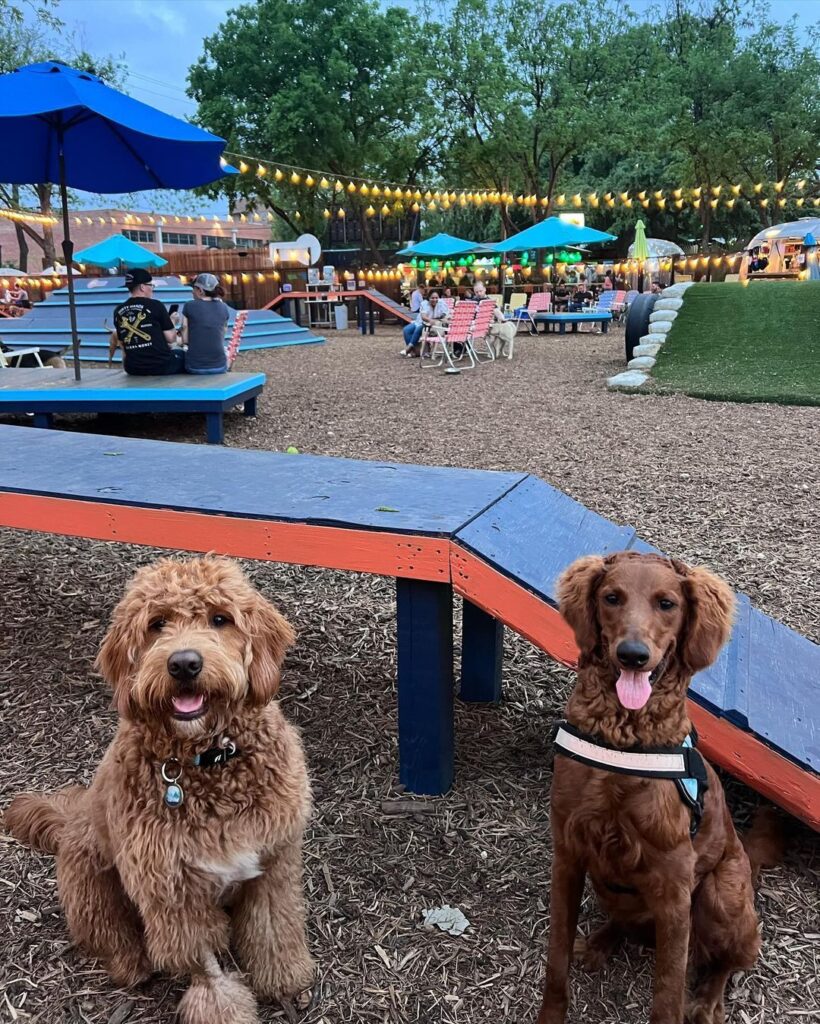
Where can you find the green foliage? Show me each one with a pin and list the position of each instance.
(567, 97)
(341, 87)
(755, 343)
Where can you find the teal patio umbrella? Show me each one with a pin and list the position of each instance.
(119, 251)
(442, 246)
(551, 233)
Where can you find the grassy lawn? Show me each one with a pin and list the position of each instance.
(733, 343)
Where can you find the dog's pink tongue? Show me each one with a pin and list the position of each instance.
(188, 702)
(634, 689)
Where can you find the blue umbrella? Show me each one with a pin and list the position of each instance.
(441, 245)
(67, 126)
(119, 251)
(551, 233)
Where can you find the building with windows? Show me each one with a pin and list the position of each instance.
(159, 232)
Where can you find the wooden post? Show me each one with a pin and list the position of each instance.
(425, 685)
(482, 652)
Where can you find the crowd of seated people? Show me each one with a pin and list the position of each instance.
(573, 291)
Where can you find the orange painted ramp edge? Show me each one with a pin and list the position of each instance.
(385, 554)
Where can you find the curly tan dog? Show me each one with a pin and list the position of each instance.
(665, 862)
(189, 838)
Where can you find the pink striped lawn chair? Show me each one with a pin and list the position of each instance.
(457, 332)
(540, 302)
(480, 329)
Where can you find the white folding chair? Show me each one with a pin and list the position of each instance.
(7, 359)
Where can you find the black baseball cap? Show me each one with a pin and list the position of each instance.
(134, 278)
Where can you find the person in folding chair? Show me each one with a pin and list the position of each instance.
(433, 312)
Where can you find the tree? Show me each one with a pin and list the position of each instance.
(528, 86)
(339, 87)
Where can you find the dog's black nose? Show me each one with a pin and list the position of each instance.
(632, 653)
(185, 665)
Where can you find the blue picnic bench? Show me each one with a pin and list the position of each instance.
(497, 540)
(45, 392)
(562, 320)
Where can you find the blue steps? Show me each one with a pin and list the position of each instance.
(48, 324)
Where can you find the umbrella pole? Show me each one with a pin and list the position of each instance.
(68, 258)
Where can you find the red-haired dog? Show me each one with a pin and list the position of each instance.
(634, 806)
(189, 838)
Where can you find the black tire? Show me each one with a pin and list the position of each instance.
(637, 320)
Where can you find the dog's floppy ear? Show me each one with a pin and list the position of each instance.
(271, 636)
(115, 661)
(577, 589)
(711, 612)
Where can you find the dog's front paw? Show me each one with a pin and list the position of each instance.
(279, 982)
(218, 999)
(699, 1012)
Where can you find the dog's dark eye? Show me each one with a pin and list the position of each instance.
(221, 620)
(666, 605)
(611, 598)
(157, 624)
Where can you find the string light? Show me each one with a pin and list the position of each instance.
(28, 217)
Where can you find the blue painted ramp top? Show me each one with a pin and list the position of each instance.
(534, 532)
(427, 500)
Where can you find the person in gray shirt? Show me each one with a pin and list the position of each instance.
(203, 327)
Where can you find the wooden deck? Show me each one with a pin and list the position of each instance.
(46, 392)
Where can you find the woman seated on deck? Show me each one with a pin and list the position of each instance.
(204, 319)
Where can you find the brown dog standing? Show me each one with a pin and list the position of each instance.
(644, 626)
(189, 838)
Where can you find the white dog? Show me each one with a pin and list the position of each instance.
(501, 338)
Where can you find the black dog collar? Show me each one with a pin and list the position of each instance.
(171, 769)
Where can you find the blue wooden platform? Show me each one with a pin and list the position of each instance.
(561, 320)
(499, 540)
(48, 325)
(45, 392)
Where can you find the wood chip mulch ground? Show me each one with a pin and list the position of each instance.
(732, 486)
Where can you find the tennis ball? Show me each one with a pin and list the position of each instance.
(293, 451)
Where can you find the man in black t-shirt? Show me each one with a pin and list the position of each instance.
(144, 330)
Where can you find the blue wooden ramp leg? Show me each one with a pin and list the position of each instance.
(482, 650)
(250, 407)
(43, 419)
(213, 427)
(425, 685)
